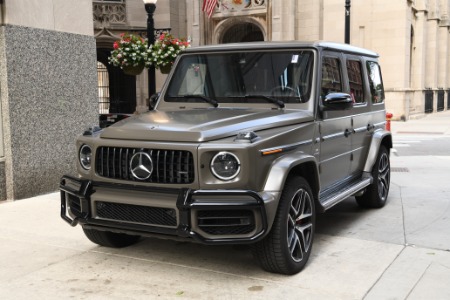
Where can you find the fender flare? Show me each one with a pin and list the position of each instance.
(379, 137)
(282, 167)
(280, 170)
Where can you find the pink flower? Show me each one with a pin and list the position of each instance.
(116, 45)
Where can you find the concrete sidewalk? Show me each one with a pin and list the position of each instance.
(436, 123)
(399, 252)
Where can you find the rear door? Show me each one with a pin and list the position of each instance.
(361, 115)
(335, 126)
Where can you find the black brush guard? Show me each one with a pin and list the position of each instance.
(75, 197)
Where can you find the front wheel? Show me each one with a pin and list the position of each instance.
(287, 247)
(110, 239)
(376, 194)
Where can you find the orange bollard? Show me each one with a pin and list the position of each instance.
(388, 121)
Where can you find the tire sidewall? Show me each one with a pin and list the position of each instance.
(293, 184)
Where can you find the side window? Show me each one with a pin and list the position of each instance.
(375, 82)
(355, 78)
(331, 76)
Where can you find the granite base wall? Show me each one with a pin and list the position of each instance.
(48, 96)
(2, 181)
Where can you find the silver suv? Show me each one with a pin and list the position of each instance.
(245, 144)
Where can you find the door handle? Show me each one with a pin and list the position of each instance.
(347, 133)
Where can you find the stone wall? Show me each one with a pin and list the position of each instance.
(48, 96)
(2, 181)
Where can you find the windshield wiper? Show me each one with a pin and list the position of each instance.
(211, 101)
(270, 99)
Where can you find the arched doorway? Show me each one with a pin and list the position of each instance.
(121, 87)
(243, 32)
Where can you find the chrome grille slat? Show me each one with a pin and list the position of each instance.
(169, 166)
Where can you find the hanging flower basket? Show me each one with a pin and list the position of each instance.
(133, 70)
(165, 69)
(132, 55)
(164, 52)
(129, 54)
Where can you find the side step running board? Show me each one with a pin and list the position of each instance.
(334, 199)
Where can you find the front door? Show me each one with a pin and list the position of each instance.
(335, 127)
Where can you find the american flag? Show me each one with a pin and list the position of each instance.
(209, 6)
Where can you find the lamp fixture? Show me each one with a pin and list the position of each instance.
(150, 1)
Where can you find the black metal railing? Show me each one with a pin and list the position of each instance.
(440, 100)
(429, 101)
(448, 99)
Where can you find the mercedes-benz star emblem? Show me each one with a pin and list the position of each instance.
(141, 166)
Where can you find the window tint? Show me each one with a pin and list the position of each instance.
(354, 70)
(331, 76)
(375, 82)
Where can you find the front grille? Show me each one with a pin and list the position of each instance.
(136, 213)
(169, 166)
(226, 222)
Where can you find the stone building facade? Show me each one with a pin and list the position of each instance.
(411, 36)
(47, 91)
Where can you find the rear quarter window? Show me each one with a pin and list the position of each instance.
(375, 82)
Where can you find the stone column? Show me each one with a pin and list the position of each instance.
(193, 13)
(48, 84)
(277, 18)
(419, 55)
(309, 20)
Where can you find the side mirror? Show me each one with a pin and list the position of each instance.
(153, 101)
(337, 101)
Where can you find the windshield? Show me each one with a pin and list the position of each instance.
(244, 77)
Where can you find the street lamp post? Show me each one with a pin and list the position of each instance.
(347, 21)
(150, 7)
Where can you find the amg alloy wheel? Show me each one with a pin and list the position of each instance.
(287, 247)
(376, 194)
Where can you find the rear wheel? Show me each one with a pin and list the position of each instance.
(376, 194)
(110, 239)
(287, 247)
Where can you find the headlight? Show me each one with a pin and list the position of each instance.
(225, 166)
(85, 157)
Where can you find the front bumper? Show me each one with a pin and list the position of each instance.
(206, 216)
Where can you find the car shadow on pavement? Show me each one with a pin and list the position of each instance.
(341, 218)
(232, 259)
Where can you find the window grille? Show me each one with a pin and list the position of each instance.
(103, 88)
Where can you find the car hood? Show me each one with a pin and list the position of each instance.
(200, 125)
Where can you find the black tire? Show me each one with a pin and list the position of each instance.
(287, 247)
(110, 239)
(376, 194)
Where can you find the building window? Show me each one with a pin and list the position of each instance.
(103, 88)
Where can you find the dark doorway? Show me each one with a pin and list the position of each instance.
(244, 32)
(121, 87)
